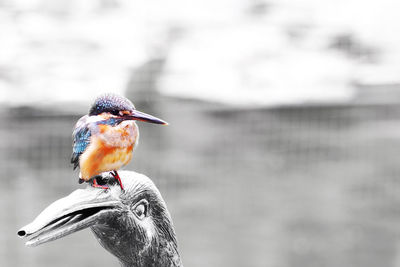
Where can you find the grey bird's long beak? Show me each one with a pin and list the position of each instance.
(141, 116)
(79, 210)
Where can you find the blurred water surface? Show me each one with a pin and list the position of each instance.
(294, 186)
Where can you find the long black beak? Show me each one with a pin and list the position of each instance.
(79, 210)
(141, 116)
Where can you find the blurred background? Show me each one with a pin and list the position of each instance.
(284, 123)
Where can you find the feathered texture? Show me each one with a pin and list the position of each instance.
(111, 103)
(82, 133)
(137, 239)
(107, 109)
(151, 242)
(81, 139)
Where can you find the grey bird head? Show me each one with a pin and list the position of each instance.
(135, 226)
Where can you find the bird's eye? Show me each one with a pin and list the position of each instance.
(115, 112)
(140, 209)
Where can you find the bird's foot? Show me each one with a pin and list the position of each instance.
(95, 184)
(116, 176)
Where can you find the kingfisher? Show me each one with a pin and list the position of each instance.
(104, 139)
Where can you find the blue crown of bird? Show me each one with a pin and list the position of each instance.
(104, 139)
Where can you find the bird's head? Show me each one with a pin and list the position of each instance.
(120, 108)
(135, 226)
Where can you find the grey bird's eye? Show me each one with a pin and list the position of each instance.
(140, 209)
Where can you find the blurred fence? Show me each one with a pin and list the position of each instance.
(292, 186)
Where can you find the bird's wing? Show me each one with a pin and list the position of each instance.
(81, 138)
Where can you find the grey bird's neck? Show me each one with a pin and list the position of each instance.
(146, 262)
(166, 256)
(158, 253)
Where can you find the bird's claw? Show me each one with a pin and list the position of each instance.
(116, 176)
(96, 185)
(101, 186)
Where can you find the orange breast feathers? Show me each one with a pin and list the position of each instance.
(109, 149)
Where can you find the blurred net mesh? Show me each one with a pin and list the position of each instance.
(290, 186)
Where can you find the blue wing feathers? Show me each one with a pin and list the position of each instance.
(81, 136)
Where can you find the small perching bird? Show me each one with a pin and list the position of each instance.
(135, 225)
(104, 139)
